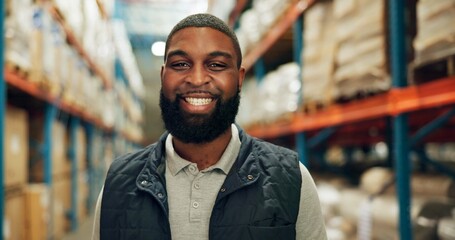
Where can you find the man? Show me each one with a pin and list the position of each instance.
(206, 178)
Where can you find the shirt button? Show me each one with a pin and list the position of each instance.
(144, 183)
(192, 169)
(223, 190)
(195, 204)
(197, 186)
(160, 195)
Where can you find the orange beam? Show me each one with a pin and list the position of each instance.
(396, 101)
(283, 24)
(236, 11)
(32, 89)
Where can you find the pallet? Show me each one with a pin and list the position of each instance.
(18, 70)
(431, 65)
(310, 107)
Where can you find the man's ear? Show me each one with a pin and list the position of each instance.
(162, 72)
(242, 73)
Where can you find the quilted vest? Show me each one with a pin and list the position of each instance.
(258, 200)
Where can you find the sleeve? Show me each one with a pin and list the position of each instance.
(310, 222)
(96, 221)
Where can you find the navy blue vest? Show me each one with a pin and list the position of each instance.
(258, 200)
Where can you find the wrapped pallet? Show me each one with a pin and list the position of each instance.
(318, 53)
(361, 56)
(375, 217)
(18, 34)
(435, 38)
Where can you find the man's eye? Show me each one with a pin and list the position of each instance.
(180, 65)
(217, 66)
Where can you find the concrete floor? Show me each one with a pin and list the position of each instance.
(84, 232)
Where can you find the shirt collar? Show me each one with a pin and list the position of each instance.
(177, 163)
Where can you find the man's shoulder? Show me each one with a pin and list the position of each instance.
(137, 157)
(264, 147)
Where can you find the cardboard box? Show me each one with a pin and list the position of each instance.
(61, 189)
(82, 198)
(16, 147)
(60, 164)
(37, 212)
(14, 219)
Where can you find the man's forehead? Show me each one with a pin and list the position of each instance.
(195, 31)
(201, 34)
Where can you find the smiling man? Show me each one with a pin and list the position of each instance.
(206, 178)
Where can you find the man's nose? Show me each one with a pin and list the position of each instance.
(198, 76)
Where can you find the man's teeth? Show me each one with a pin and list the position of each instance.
(198, 101)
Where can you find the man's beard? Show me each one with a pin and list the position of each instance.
(198, 128)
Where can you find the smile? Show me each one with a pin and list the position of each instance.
(198, 101)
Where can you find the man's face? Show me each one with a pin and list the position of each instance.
(200, 84)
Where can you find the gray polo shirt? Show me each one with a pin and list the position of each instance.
(192, 194)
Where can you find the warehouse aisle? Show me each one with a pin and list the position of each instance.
(84, 232)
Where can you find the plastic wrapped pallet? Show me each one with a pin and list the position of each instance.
(318, 54)
(434, 37)
(446, 227)
(274, 98)
(257, 21)
(361, 57)
(382, 211)
(376, 179)
(18, 31)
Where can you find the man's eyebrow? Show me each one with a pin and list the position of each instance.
(220, 54)
(176, 53)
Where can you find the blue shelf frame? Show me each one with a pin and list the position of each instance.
(398, 137)
(2, 117)
(73, 212)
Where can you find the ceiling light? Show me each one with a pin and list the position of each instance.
(158, 48)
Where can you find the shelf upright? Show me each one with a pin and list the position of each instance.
(90, 130)
(301, 142)
(49, 118)
(400, 130)
(74, 124)
(2, 117)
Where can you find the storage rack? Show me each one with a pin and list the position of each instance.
(53, 105)
(403, 105)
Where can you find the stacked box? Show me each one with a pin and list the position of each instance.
(16, 147)
(81, 149)
(37, 212)
(82, 197)
(434, 34)
(61, 204)
(14, 219)
(319, 53)
(60, 164)
(361, 57)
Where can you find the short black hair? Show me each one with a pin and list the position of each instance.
(206, 20)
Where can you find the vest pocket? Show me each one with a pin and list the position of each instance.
(272, 233)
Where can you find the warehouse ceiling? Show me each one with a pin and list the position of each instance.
(148, 21)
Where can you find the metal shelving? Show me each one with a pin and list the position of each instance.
(52, 105)
(397, 110)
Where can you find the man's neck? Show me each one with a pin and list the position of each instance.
(205, 154)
